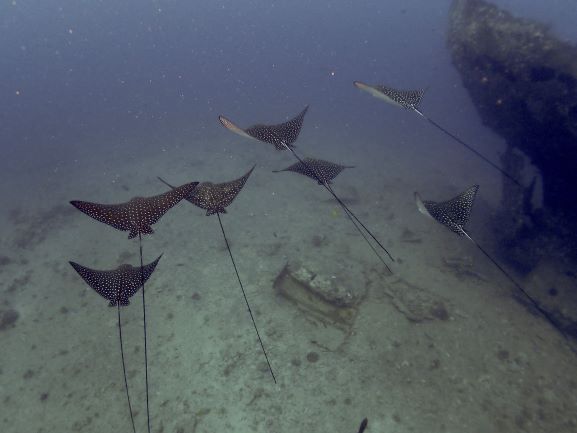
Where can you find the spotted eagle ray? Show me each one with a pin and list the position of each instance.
(282, 136)
(214, 198)
(324, 172)
(411, 100)
(454, 214)
(117, 286)
(137, 217)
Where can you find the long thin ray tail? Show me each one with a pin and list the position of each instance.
(124, 367)
(349, 212)
(244, 295)
(363, 425)
(346, 208)
(532, 300)
(145, 339)
(476, 152)
(165, 182)
(351, 217)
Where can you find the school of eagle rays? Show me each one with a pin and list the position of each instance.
(139, 214)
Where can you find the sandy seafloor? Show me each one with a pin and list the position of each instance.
(491, 366)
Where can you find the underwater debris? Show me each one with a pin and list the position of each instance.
(320, 297)
(416, 303)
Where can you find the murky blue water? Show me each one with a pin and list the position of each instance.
(101, 97)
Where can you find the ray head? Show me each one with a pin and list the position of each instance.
(421, 205)
(232, 127)
(407, 99)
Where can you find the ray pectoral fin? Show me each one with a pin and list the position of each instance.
(232, 127)
(110, 214)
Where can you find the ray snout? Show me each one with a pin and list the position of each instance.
(232, 127)
(421, 206)
(362, 86)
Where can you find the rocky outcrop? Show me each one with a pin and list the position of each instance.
(523, 81)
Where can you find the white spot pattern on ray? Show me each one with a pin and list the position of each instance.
(116, 285)
(281, 134)
(454, 214)
(408, 99)
(138, 214)
(215, 197)
(317, 169)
